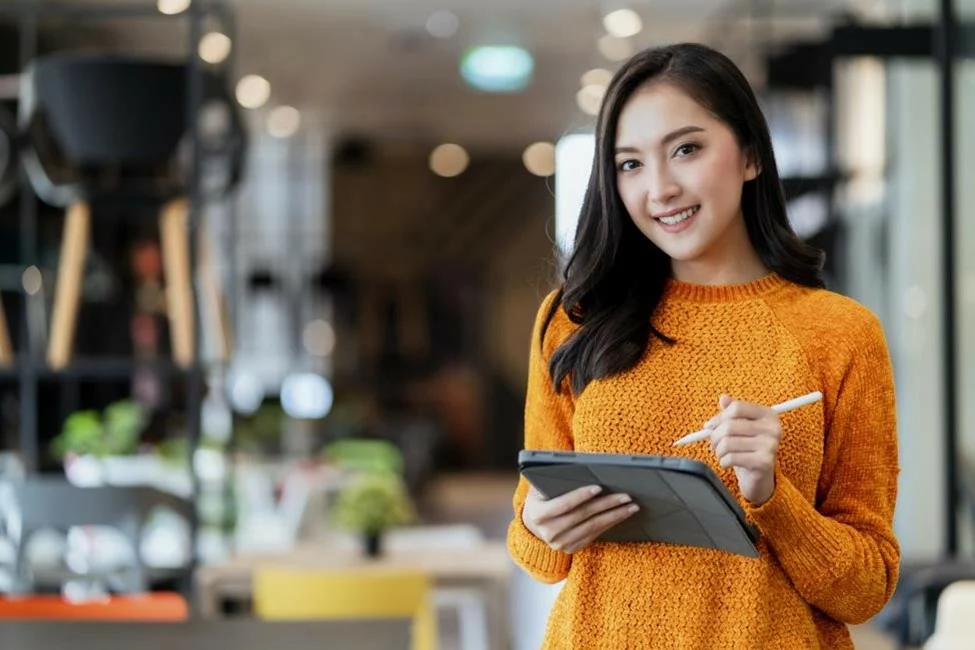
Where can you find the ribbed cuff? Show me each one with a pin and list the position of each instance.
(534, 556)
(806, 543)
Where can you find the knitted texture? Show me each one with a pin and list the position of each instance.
(828, 553)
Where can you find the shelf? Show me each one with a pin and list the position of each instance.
(106, 368)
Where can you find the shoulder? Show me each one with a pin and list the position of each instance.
(828, 323)
(557, 329)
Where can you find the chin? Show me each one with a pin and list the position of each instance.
(680, 251)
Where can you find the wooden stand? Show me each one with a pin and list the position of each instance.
(6, 347)
(178, 278)
(67, 290)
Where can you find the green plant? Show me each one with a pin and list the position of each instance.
(176, 451)
(366, 455)
(114, 433)
(257, 432)
(372, 502)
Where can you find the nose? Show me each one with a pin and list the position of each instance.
(662, 187)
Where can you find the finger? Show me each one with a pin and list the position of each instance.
(740, 409)
(734, 429)
(586, 511)
(732, 409)
(751, 460)
(582, 535)
(738, 444)
(568, 502)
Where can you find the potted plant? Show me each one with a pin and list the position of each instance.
(89, 433)
(371, 503)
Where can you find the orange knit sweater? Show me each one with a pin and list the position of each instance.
(828, 552)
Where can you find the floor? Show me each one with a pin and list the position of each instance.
(486, 501)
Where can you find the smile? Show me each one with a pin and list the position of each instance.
(678, 217)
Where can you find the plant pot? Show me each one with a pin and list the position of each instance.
(373, 544)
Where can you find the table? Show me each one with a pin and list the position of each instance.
(486, 568)
(205, 635)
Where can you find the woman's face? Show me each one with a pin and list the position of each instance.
(679, 172)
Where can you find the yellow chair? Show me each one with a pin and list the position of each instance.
(283, 594)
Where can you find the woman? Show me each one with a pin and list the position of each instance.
(689, 301)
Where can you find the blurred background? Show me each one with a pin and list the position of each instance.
(268, 272)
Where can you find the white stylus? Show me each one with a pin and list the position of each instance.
(792, 404)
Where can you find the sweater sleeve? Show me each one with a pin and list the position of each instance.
(548, 426)
(841, 553)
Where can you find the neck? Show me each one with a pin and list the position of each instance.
(737, 271)
(733, 261)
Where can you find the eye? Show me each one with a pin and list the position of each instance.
(686, 150)
(627, 165)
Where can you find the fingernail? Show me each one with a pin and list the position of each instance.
(633, 508)
(625, 498)
(595, 489)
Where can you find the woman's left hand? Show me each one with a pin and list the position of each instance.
(746, 437)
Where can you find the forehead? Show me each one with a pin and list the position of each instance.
(658, 108)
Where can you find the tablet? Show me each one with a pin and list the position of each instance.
(682, 501)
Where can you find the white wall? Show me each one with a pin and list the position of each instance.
(914, 321)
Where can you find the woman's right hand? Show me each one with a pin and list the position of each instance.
(572, 521)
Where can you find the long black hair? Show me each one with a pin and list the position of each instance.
(616, 276)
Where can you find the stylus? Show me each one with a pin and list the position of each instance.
(790, 405)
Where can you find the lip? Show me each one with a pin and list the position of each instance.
(671, 213)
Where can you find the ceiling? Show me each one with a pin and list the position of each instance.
(368, 67)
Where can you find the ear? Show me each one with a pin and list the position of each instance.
(752, 167)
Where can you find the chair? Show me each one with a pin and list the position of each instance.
(155, 607)
(913, 610)
(108, 131)
(955, 624)
(54, 503)
(283, 594)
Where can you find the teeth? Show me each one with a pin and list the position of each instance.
(677, 218)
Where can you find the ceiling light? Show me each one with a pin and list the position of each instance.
(172, 7)
(597, 77)
(253, 91)
(539, 158)
(623, 23)
(615, 49)
(590, 97)
(283, 121)
(442, 24)
(215, 47)
(449, 160)
(497, 68)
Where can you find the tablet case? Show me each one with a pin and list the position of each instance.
(682, 501)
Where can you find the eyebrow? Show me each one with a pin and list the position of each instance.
(673, 135)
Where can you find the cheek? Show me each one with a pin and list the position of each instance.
(718, 182)
(633, 197)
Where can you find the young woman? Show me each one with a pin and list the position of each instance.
(689, 301)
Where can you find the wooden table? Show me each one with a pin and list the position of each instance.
(485, 568)
(206, 635)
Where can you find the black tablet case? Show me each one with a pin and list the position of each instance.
(682, 501)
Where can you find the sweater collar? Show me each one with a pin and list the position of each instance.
(685, 291)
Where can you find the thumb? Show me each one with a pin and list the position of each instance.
(724, 401)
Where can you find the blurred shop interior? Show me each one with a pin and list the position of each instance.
(268, 272)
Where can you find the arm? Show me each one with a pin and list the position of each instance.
(548, 425)
(841, 554)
